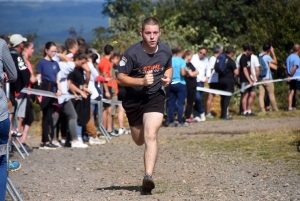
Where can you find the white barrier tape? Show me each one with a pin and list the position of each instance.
(68, 96)
(3, 149)
(226, 93)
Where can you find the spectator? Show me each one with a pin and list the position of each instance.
(226, 82)
(191, 84)
(72, 48)
(249, 94)
(105, 71)
(6, 65)
(201, 64)
(177, 88)
(213, 78)
(47, 72)
(269, 87)
(293, 70)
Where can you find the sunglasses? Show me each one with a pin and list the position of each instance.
(202, 53)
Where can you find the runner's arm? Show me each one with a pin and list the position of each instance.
(126, 80)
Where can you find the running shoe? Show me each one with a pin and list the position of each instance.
(14, 166)
(96, 141)
(209, 116)
(57, 144)
(78, 144)
(48, 146)
(148, 185)
(28, 149)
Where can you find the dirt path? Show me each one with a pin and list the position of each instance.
(114, 171)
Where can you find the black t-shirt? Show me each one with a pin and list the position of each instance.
(77, 77)
(229, 76)
(244, 63)
(191, 82)
(136, 63)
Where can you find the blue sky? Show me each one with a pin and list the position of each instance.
(51, 19)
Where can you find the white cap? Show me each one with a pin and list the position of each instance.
(16, 39)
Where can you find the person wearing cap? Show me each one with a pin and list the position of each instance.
(17, 46)
(213, 78)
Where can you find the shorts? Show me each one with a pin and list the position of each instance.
(121, 94)
(137, 105)
(21, 109)
(250, 89)
(294, 85)
(106, 105)
(214, 85)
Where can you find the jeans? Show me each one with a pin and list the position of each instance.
(198, 108)
(79, 131)
(4, 130)
(177, 93)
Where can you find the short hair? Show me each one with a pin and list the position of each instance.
(252, 48)
(230, 50)
(70, 43)
(80, 56)
(150, 21)
(246, 46)
(203, 48)
(80, 41)
(266, 46)
(94, 57)
(61, 49)
(83, 48)
(179, 49)
(187, 53)
(108, 49)
(218, 48)
(4, 37)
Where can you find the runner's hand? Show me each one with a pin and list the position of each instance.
(165, 81)
(148, 79)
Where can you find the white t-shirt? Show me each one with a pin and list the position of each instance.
(214, 76)
(65, 69)
(254, 63)
(94, 75)
(201, 66)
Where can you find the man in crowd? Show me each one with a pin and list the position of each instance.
(293, 70)
(269, 63)
(213, 78)
(201, 64)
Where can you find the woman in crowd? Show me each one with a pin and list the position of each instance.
(191, 85)
(177, 88)
(47, 71)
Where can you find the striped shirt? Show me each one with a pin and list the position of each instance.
(6, 65)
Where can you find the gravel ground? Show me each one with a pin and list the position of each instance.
(114, 171)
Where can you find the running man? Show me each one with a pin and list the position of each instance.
(145, 67)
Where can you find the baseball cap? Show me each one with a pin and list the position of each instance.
(16, 39)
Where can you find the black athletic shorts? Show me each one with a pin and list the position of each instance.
(121, 94)
(214, 85)
(294, 85)
(106, 105)
(136, 105)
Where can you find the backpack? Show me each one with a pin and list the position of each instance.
(262, 67)
(221, 63)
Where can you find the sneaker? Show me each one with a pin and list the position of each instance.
(172, 124)
(190, 121)
(251, 114)
(209, 116)
(14, 166)
(202, 117)
(112, 133)
(16, 134)
(148, 184)
(28, 149)
(121, 131)
(78, 144)
(197, 119)
(227, 117)
(80, 139)
(183, 125)
(57, 144)
(96, 140)
(48, 146)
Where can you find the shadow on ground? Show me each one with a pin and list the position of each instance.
(127, 188)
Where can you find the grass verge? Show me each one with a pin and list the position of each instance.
(274, 146)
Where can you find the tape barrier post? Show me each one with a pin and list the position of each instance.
(11, 189)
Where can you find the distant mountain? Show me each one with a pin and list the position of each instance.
(52, 20)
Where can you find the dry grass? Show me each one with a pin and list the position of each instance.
(273, 146)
